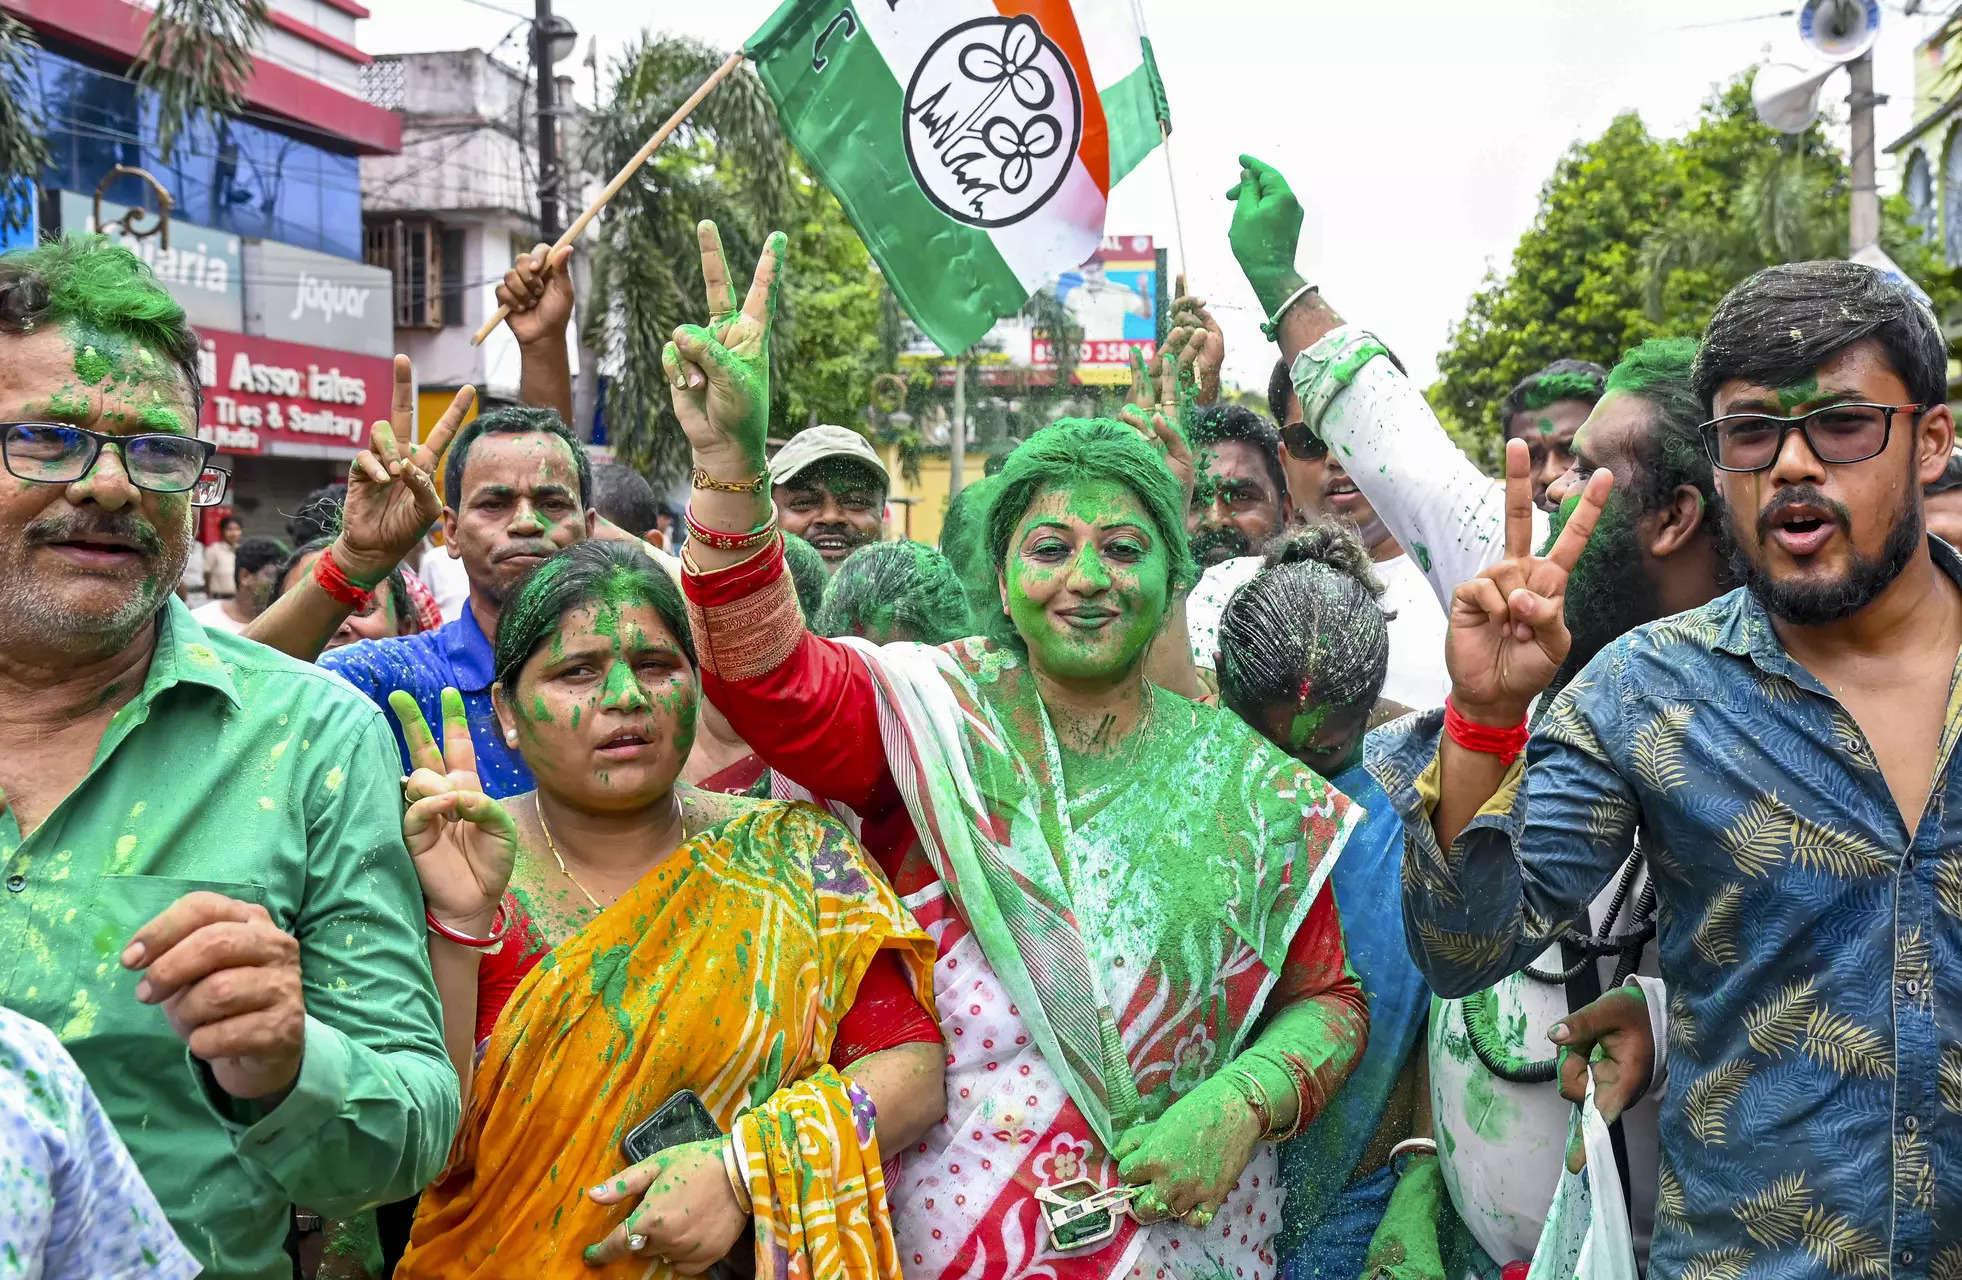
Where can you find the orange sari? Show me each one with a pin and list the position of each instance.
(726, 971)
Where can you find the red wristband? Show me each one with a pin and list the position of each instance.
(1483, 738)
(338, 586)
(500, 927)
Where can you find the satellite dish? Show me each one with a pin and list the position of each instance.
(1786, 96)
(1841, 30)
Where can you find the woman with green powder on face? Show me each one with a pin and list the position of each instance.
(1141, 972)
(654, 939)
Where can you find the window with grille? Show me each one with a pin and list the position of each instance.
(412, 249)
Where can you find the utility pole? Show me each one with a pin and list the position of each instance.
(548, 137)
(957, 429)
(1864, 222)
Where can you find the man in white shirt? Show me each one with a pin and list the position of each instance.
(256, 568)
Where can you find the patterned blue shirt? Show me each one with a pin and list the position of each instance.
(72, 1205)
(1812, 1120)
(456, 654)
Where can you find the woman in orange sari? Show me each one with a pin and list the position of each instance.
(661, 941)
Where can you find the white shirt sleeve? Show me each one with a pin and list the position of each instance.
(1448, 515)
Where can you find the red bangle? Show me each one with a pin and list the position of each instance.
(339, 587)
(721, 541)
(1483, 738)
(500, 927)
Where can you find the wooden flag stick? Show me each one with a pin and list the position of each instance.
(1171, 181)
(640, 158)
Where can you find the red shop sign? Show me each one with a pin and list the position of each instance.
(264, 396)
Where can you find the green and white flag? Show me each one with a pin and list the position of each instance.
(973, 143)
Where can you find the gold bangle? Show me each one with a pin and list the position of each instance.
(703, 480)
(1255, 1095)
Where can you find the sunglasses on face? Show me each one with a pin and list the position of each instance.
(1837, 434)
(158, 462)
(1302, 444)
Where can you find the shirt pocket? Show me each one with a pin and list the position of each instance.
(104, 1003)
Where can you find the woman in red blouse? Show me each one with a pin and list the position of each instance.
(1141, 977)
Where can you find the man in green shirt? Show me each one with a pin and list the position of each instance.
(203, 886)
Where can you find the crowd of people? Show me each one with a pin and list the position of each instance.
(1233, 851)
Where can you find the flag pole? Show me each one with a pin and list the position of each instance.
(1178, 223)
(627, 170)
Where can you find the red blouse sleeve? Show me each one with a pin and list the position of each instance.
(803, 703)
(884, 1015)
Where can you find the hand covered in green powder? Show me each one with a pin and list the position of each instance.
(688, 1214)
(1613, 1039)
(720, 372)
(391, 490)
(463, 843)
(1191, 1156)
(1162, 392)
(1266, 231)
(1205, 351)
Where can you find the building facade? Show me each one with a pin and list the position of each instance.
(448, 214)
(263, 241)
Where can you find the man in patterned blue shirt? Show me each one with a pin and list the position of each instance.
(1787, 752)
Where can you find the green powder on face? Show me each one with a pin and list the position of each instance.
(91, 366)
(1546, 426)
(1797, 392)
(162, 418)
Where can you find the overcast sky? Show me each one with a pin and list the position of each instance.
(1416, 132)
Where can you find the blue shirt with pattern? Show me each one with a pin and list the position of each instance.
(1812, 1119)
(72, 1205)
(456, 654)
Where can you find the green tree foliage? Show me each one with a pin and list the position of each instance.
(1639, 237)
(729, 164)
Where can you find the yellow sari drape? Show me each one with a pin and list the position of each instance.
(726, 971)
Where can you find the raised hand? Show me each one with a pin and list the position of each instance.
(688, 1214)
(391, 494)
(1208, 352)
(1190, 1157)
(1508, 632)
(463, 843)
(720, 371)
(1156, 410)
(538, 292)
(1266, 231)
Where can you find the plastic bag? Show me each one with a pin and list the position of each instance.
(1586, 1236)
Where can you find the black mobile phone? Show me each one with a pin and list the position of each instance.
(683, 1118)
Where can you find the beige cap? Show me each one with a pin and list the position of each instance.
(814, 444)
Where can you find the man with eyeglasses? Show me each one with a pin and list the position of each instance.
(1788, 754)
(205, 894)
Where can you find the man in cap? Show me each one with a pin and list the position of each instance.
(830, 490)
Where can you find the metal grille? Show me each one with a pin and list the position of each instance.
(384, 83)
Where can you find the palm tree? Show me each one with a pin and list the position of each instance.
(196, 58)
(730, 164)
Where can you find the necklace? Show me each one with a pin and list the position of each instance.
(559, 858)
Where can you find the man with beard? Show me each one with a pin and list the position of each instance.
(830, 490)
(1657, 547)
(1787, 752)
(1241, 499)
(207, 897)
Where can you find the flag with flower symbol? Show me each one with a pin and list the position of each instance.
(973, 143)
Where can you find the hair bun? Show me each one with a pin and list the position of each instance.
(1334, 545)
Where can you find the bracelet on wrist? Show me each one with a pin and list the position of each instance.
(1410, 1147)
(723, 541)
(1484, 738)
(500, 928)
(755, 484)
(732, 1164)
(1254, 1093)
(340, 588)
(1272, 327)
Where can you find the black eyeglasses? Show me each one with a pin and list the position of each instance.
(1838, 434)
(1303, 445)
(160, 462)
